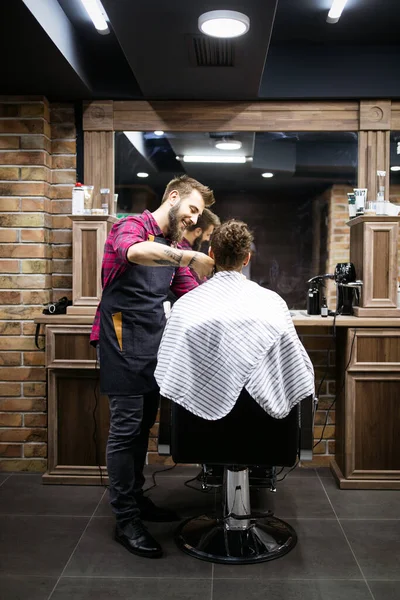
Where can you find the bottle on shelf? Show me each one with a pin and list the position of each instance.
(324, 307)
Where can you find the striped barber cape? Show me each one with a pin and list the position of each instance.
(226, 335)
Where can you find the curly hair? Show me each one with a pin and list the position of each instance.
(231, 243)
(184, 185)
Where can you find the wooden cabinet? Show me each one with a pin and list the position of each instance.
(368, 410)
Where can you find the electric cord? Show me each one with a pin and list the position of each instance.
(337, 393)
(153, 476)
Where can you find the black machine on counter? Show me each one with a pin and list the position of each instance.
(347, 290)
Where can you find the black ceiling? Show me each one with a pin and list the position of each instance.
(155, 51)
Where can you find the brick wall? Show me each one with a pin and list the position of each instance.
(37, 170)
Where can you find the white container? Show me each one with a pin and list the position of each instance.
(78, 200)
(398, 296)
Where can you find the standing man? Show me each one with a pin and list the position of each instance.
(140, 265)
(199, 232)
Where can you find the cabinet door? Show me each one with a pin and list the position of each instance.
(374, 349)
(68, 346)
(372, 429)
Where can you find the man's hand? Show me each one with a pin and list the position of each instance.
(202, 264)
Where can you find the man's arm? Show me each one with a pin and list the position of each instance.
(153, 254)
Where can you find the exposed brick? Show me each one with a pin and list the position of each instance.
(59, 192)
(10, 420)
(10, 297)
(9, 110)
(59, 236)
(317, 343)
(61, 222)
(9, 266)
(35, 142)
(320, 461)
(23, 126)
(34, 389)
(63, 147)
(35, 297)
(11, 450)
(22, 374)
(19, 188)
(29, 328)
(154, 430)
(153, 445)
(62, 251)
(62, 266)
(16, 342)
(155, 459)
(320, 448)
(34, 110)
(35, 420)
(35, 174)
(34, 359)
(10, 204)
(8, 235)
(62, 114)
(62, 207)
(35, 450)
(34, 235)
(10, 359)
(31, 282)
(64, 176)
(328, 433)
(64, 161)
(9, 142)
(331, 447)
(10, 389)
(63, 131)
(36, 266)
(9, 173)
(325, 402)
(62, 281)
(34, 465)
(23, 435)
(24, 158)
(33, 204)
(20, 312)
(22, 404)
(24, 251)
(10, 328)
(22, 220)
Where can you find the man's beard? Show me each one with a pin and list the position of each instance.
(175, 232)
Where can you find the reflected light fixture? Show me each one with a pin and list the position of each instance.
(335, 11)
(212, 159)
(395, 168)
(228, 145)
(159, 132)
(267, 175)
(96, 12)
(224, 23)
(142, 174)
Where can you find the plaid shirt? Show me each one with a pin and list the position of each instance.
(125, 233)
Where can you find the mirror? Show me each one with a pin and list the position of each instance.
(280, 184)
(394, 185)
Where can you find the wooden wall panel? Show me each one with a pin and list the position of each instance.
(99, 162)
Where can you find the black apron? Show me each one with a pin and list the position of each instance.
(132, 321)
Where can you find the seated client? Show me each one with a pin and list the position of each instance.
(230, 334)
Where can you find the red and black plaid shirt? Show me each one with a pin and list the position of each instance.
(125, 233)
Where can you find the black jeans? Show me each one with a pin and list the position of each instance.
(131, 418)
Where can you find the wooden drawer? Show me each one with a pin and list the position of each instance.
(373, 349)
(68, 347)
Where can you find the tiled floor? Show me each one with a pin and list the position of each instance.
(56, 542)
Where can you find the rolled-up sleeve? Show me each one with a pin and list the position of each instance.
(126, 235)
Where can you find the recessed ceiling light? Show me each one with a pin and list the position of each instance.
(395, 168)
(96, 12)
(159, 132)
(267, 175)
(212, 159)
(228, 145)
(336, 11)
(224, 23)
(142, 174)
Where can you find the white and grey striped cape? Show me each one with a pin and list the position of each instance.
(226, 335)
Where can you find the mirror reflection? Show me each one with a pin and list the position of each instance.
(394, 186)
(280, 183)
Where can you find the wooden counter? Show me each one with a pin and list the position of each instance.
(367, 405)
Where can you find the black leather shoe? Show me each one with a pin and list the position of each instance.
(135, 538)
(150, 512)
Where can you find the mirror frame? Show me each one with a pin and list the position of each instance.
(371, 119)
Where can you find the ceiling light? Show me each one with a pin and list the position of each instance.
(98, 15)
(212, 159)
(159, 132)
(224, 23)
(267, 175)
(142, 174)
(395, 168)
(336, 10)
(228, 145)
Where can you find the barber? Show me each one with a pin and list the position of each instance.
(198, 233)
(141, 263)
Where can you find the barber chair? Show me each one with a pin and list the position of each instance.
(246, 437)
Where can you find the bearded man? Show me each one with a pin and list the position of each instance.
(141, 264)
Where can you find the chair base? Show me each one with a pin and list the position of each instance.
(210, 539)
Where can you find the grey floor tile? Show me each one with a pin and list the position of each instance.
(4, 477)
(295, 498)
(178, 471)
(324, 472)
(385, 590)
(99, 554)
(71, 588)
(289, 590)
(322, 552)
(38, 545)
(20, 587)
(363, 504)
(25, 494)
(300, 472)
(171, 493)
(376, 545)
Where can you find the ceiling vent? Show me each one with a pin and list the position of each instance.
(211, 52)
